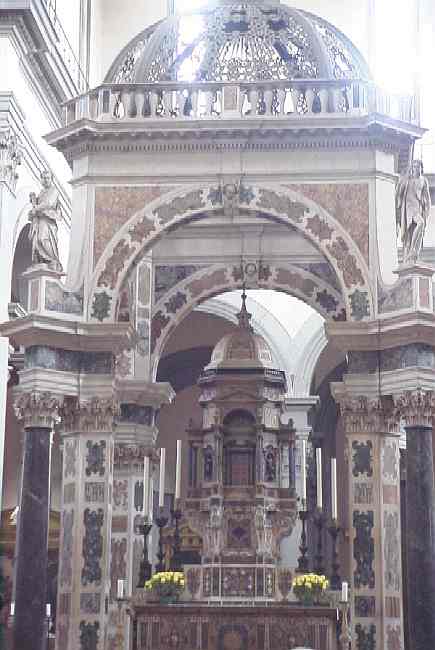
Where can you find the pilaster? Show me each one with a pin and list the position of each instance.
(372, 467)
(84, 582)
(135, 438)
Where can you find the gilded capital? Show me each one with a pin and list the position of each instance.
(38, 409)
(416, 407)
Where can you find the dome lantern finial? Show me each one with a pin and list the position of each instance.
(244, 317)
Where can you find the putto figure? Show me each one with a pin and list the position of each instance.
(43, 217)
(412, 209)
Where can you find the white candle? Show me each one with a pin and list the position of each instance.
(178, 472)
(48, 610)
(13, 609)
(162, 477)
(151, 501)
(344, 592)
(120, 590)
(334, 488)
(304, 475)
(319, 478)
(146, 484)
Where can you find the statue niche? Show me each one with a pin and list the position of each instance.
(239, 435)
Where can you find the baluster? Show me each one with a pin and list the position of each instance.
(324, 100)
(93, 106)
(268, 97)
(281, 99)
(167, 103)
(139, 103)
(336, 100)
(194, 99)
(124, 103)
(181, 100)
(209, 94)
(295, 93)
(146, 108)
(154, 101)
(114, 100)
(246, 106)
(132, 108)
(309, 98)
(253, 99)
(288, 107)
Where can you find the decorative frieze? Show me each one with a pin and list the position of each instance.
(92, 416)
(38, 409)
(365, 415)
(364, 549)
(92, 546)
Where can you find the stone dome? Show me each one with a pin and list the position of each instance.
(252, 40)
(242, 348)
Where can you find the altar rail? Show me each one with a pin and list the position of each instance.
(283, 100)
(206, 627)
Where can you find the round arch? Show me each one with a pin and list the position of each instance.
(275, 202)
(206, 283)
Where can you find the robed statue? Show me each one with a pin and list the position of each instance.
(412, 210)
(44, 216)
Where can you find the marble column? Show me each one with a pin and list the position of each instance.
(372, 466)
(84, 558)
(39, 412)
(417, 409)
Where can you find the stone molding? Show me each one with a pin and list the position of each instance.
(38, 409)
(88, 416)
(362, 414)
(10, 158)
(416, 407)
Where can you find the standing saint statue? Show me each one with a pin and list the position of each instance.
(412, 209)
(43, 217)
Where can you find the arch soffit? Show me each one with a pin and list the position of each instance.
(275, 202)
(210, 281)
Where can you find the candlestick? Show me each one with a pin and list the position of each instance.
(319, 520)
(334, 489)
(146, 484)
(145, 569)
(344, 633)
(319, 478)
(335, 580)
(151, 502)
(178, 472)
(48, 610)
(12, 608)
(303, 566)
(162, 478)
(161, 522)
(120, 589)
(304, 472)
(176, 560)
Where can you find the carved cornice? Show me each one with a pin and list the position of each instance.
(131, 455)
(362, 414)
(37, 409)
(416, 407)
(94, 415)
(10, 158)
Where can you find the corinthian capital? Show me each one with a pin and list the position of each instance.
(38, 409)
(367, 415)
(93, 415)
(416, 407)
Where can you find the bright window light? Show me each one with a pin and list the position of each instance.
(396, 53)
(187, 5)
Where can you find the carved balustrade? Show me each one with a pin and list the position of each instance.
(296, 99)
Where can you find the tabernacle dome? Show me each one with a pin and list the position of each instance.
(239, 41)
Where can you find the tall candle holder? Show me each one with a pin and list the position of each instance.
(145, 569)
(303, 565)
(176, 560)
(161, 522)
(345, 634)
(319, 522)
(335, 581)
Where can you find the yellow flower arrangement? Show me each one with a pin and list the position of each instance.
(310, 588)
(166, 585)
